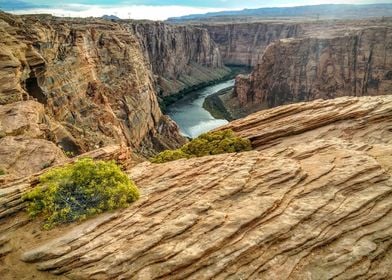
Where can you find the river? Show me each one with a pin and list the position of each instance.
(189, 114)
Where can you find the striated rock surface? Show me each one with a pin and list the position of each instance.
(181, 57)
(312, 202)
(244, 43)
(21, 156)
(357, 63)
(29, 140)
(90, 75)
(364, 120)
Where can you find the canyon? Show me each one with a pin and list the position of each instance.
(312, 200)
(182, 57)
(304, 61)
(85, 84)
(304, 69)
(244, 43)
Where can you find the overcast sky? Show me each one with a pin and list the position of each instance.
(152, 9)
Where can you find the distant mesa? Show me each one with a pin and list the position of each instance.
(324, 11)
(110, 17)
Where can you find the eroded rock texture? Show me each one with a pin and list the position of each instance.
(356, 63)
(181, 57)
(90, 75)
(312, 202)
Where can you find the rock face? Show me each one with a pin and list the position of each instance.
(364, 120)
(312, 202)
(244, 43)
(181, 57)
(90, 75)
(355, 64)
(28, 139)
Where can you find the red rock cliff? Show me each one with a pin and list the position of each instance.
(357, 63)
(244, 43)
(181, 56)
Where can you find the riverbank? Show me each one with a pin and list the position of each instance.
(190, 115)
(215, 106)
(224, 104)
(232, 72)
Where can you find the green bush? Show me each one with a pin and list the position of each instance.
(2, 172)
(210, 143)
(79, 190)
(169, 155)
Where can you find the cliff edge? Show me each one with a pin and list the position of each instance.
(312, 201)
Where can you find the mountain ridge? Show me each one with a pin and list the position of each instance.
(343, 11)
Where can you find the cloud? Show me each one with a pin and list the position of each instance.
(135, 11)
(18, 5)
(125, 9)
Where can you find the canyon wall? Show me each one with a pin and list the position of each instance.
(357, 63)
(244, 43)
(91, 78)
(181, 57)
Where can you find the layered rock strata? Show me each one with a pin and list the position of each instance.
(244, 43)
(357, 63)
(181, 57)
(313, 201)
(90, 76)
(29, 139)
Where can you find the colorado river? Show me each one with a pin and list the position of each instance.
(190, 115)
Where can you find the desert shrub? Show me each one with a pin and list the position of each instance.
(2, 172)
(169, 155)
(210, 143)
(79, 190)
(69, 154)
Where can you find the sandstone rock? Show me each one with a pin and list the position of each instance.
(244, 43)
(90, 75)
(30, 139)
(355, 64)
(244, 215)
(22, 156)
(181, 57)
(366, 120)
(314, 202)
(25, 118)
(15, 226)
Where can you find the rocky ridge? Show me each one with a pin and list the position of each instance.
(312, 201)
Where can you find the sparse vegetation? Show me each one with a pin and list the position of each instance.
(79, 190)
(2, 172)
(69, 154)
(211, 143)
(46, 165)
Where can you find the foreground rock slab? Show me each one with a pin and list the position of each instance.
(239, 216)
(364, 120)
(313, 201)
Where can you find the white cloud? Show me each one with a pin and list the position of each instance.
(135, 11)
(320, 2)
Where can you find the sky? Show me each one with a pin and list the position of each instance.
(152, 9)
